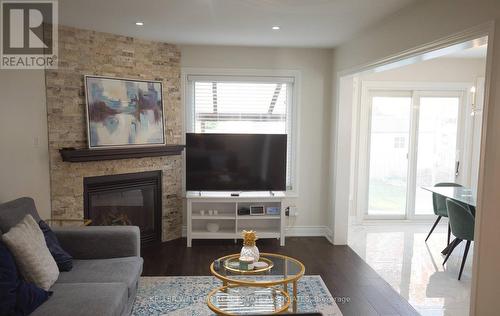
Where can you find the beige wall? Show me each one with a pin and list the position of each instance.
(434, 70)
(24, 156)
(423, 23)
(414, 26)
(315, 99)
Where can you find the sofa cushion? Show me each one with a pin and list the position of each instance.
(82, 299)
(126, 270)
(17, 297)
(63, 259)
(14, 211)
(27, 244)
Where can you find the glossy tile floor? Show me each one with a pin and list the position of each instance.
(399, 254)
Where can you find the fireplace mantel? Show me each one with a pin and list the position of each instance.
(83, 155)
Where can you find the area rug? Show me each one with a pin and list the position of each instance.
(186, 296)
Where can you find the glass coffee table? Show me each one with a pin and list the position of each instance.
(281, 270)
(244, 300)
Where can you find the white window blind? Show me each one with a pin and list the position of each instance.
(257, 105)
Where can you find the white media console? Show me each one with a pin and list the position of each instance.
(227, 219)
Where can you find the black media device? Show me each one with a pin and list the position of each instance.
(236, 162)
(244, 211)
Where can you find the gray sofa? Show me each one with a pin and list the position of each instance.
(106, 266)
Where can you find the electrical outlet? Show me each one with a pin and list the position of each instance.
(294, 211)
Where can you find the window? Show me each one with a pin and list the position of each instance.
(230, 104)
(399, 142)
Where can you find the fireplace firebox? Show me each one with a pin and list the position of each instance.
(126, 199)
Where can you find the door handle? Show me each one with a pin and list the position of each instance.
(457, 168)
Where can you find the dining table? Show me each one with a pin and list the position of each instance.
(460, 194)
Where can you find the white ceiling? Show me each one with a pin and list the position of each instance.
(304, 23)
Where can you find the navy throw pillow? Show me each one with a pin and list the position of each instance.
(8, 281)
(17, 297)
(63, 259)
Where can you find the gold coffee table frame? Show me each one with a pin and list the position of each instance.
(218, 311)
(230, 281)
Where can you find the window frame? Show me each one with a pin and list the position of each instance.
(291, 77)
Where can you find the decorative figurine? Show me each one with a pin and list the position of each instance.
(249, 248)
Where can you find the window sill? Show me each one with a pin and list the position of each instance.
(291, 194)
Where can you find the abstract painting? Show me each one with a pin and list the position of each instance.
(124, 112)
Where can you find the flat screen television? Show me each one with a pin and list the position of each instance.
(236, 162)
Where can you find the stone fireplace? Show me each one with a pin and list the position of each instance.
(126, 199)
(86, 52)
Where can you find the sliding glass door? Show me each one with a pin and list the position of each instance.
(413, 141)
(437, 160)
(389, 137)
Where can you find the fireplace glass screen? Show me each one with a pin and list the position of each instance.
(125, 200)
(124, 207)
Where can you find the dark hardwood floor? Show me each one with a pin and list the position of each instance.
(359, 290)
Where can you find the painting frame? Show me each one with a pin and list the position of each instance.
(90, 120)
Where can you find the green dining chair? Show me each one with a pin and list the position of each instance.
(439, 206)
(462, 226)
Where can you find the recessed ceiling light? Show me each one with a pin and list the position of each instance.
(276, 27)
(139, 23)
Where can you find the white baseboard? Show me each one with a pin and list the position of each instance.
(305, 231)
(298, 231)
(329, 234)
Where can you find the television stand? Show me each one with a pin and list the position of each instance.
(221, 209)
